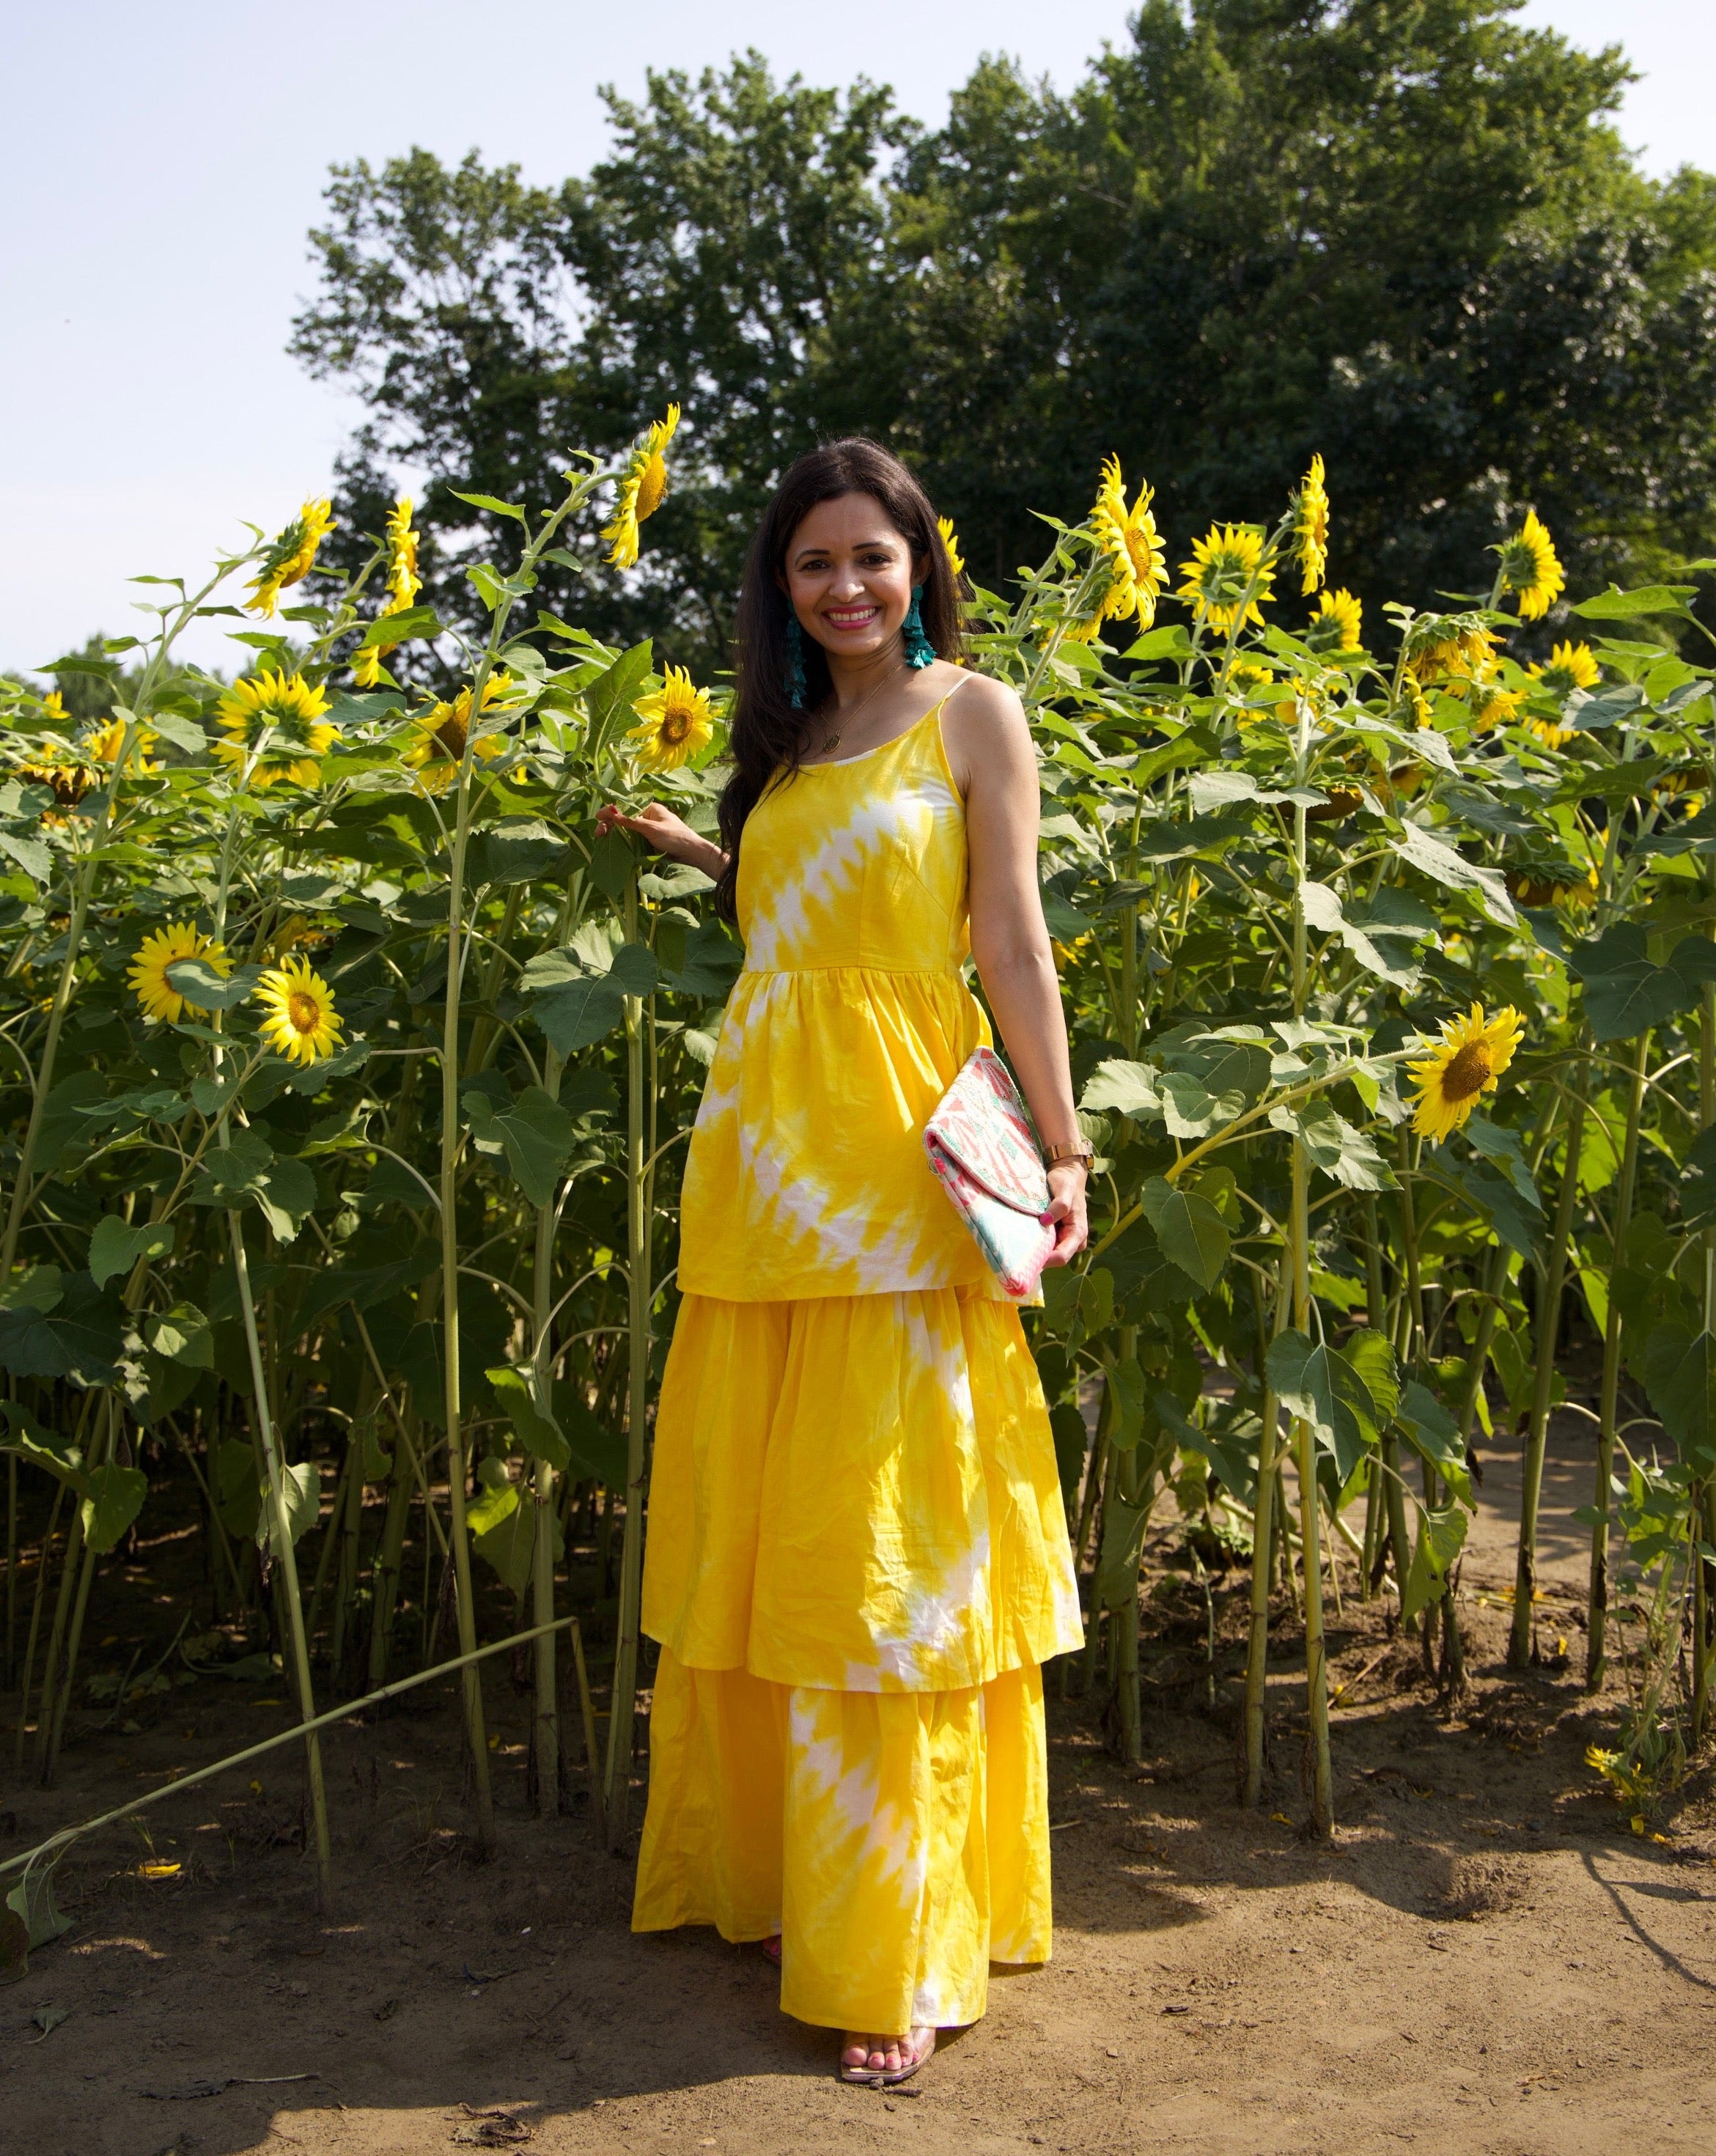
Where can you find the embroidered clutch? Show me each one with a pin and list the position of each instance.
(981, 1147)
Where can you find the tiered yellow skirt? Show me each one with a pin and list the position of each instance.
(857, 1561)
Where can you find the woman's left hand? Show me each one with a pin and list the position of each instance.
(1066, 1212)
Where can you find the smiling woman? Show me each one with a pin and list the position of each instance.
(857, 1558)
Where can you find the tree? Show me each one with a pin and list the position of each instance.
(1403, 232)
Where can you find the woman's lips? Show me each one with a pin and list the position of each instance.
(851, 617)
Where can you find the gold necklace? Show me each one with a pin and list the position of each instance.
(833, 740)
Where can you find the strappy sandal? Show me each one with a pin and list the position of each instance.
(922, 2042)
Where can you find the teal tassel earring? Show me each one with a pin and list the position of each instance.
(796, 687)
(920, 652)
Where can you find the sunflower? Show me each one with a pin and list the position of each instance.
(57, 764)
(950, 540)
(1455, 648)
(1225, 564)
(105, 744)
(292, 555)
(301, 1021)
(642, 485)
(1570, 667)
(1489, 700)
(1132, 547)
(277, 719)
(677, 722)
(1531, 568)
(165, 947)
(404, 585)
(1557, 883)
(439, 750)
(1465, 1065)
(1311, 528)
(1338, 625)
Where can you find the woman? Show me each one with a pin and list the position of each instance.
(857, 1555)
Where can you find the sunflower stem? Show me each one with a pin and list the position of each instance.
(1597, 1600)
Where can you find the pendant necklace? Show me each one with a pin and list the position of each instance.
(833, 740)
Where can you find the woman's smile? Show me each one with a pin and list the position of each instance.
(852, 616)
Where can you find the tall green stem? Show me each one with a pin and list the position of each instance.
(1552, 1280)
(1597, 1604)
(631, 1560)
(546, 1717)
(283, 1553)
(1262, 1520)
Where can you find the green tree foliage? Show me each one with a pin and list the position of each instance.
(1402, 231)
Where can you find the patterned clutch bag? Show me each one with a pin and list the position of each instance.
(983, 1154)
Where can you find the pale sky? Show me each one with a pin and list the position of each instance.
(165, 163)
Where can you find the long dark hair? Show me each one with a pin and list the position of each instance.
(768, 734)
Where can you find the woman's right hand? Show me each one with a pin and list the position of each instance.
(663, 833)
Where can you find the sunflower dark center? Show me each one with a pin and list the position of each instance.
(675, 725)
(1468, 1072)
(303, 1011)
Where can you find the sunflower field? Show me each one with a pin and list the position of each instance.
(349, 1063)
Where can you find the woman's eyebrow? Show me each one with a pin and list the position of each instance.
(860, 546)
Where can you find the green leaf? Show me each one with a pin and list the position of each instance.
(238, 1496)
(44, 1448)
(28, 1917)
(1116, 1585)
(1625, 994)
(184, 733)
(496, 1497)
(1323, 911)
(300, 1486)
(520, 850)
(418, 621)
(1126, 1399)
(113, 1498)
(597, 1451)
(1616, 605)
(283, 1189)
(1680, 1376)
(208, 988)
(1192, 1233)
(536, 1134)
(77, 1338)
(711, 958)
(116, 1248)
(610, 695)
(31, 854)
(1072, 1443)
(1129, 1089)
(536, 1430)
(1333, 1145)
(1328, 1390)
(488, 501)
(1443, 865)
(1442, 1537)
(1434, 1436)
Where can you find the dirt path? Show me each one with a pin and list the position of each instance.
(1487, 1961)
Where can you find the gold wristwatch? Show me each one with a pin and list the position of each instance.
(1078, 1149)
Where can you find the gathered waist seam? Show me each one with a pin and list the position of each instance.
(894, 972)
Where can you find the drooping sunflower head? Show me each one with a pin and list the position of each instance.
(1336, 627)
(1465, 1065)
(292, 555)
(439, 751)
(950, 541)
(275, 718)
(1555, 883)
(165, 947)
(1455, 648)
(58, 764)
(643, 486)
(403, 582)
(1227, 563)
(1311, 529)
(678, 723)
(299, 1018)
(1489, 699)
(1531, 568)
(1132, 547)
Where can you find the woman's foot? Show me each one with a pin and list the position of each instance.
(771, 1947)
(885, 2061)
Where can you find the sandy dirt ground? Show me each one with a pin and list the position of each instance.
(1488, 1960)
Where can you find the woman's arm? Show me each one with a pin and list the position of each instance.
(993, 762)
(660, 828)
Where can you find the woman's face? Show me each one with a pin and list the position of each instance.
(849, 576)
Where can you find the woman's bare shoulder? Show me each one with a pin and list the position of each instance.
(983, 726)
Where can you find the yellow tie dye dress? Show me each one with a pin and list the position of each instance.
(857, 1557)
